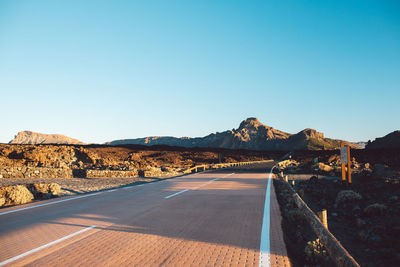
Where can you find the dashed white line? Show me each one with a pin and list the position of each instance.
(177, 193)
(49, 203)
(45, 246)
(180, 192)
(265, 260)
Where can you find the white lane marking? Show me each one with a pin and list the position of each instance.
(180, 192)
(265, 260)
(45, 246)
(112, 190)
(215, 179)
(177, 193)
(141, 184)
(50, 203)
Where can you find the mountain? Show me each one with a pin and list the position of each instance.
(28, 137)
(251, 134)
(391, 140)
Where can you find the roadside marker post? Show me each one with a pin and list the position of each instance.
(323, 217)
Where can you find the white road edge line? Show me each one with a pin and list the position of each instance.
(177, 193)
(45, 246)
(265, 259)
(112, 190)
(49, 203)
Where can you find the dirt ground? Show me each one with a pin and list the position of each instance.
(71, 186)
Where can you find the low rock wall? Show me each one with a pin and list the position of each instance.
(35, 172)
(110, 174)
(43, 172)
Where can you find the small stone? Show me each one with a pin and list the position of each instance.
(1, 175)
(36, 171)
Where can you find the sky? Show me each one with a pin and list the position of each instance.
(105, 70)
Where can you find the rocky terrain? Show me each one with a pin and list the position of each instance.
(65, 161)
(391, 140)
(28, 137)
(251, 134)
(364, 215)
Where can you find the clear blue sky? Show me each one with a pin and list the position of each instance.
(105, 70)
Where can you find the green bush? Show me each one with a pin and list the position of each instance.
(347, 197)
(375, 209)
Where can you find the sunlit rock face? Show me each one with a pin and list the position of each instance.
(32, 138)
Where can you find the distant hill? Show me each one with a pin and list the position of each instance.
(251, 134)
(28, 137)
(391, 140)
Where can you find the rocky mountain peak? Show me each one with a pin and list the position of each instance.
(29, 137)
(251, 124)
(311, 133)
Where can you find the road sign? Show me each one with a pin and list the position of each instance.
(343, 155)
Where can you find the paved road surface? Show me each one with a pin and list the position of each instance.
(204, 219)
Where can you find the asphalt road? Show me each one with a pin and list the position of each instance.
(206, 219)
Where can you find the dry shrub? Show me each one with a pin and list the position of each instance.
(315, 252)
(19, 194)
(44, 191)
(288, 164)
(324, 167)
(41, 188)
(54, 188)
(2, 201)
(375, 209)
(347, 197)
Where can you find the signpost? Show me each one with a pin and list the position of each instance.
(345, 159)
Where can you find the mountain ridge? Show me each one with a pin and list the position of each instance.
(251, 134)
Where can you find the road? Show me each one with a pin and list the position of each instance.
(220, 218)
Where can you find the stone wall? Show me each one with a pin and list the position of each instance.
(110, 174)
(44, 172)
(35, 172)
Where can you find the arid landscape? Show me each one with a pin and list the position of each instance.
(366, 224)
(200, 133)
